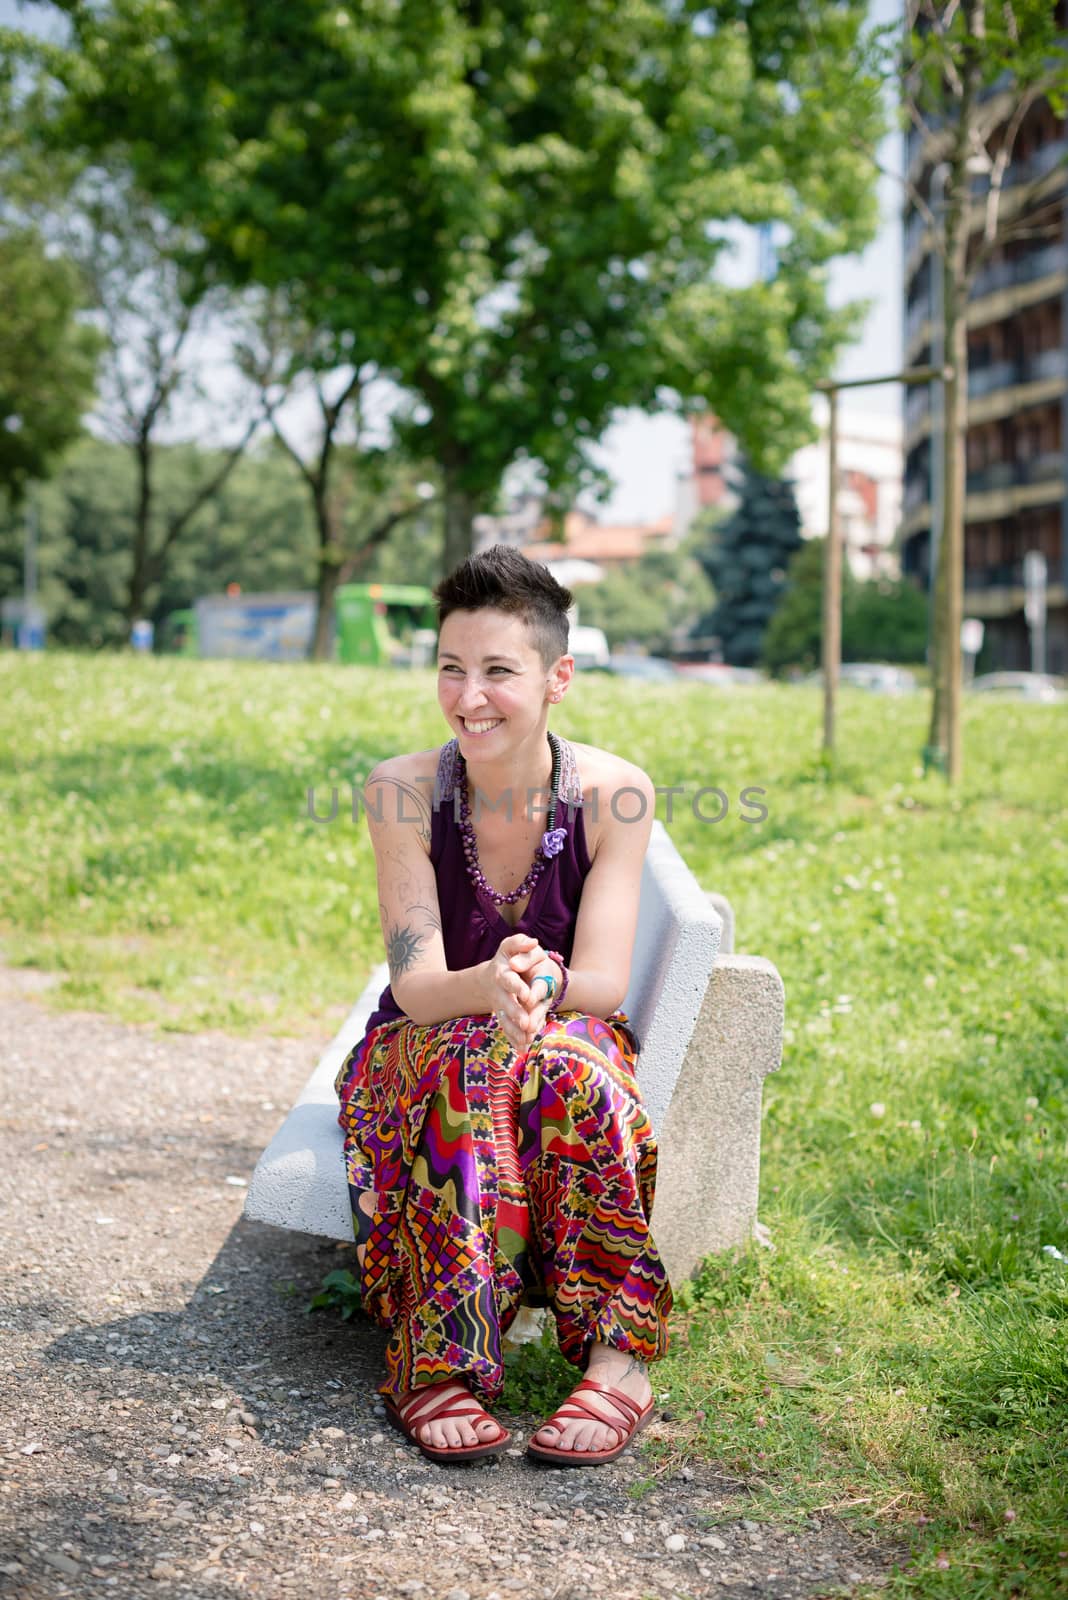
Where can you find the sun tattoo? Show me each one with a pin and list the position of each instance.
(402, 947)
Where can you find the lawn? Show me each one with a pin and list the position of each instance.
(901, 1355)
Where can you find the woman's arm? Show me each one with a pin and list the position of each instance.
(608, 912)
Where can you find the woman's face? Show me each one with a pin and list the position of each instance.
(492, 684)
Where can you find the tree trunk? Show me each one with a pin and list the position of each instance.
(460, 511)
(137, 594)
(329, 574)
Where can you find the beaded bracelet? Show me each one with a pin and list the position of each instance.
(556, 999)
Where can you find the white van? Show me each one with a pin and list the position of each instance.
(588, 646)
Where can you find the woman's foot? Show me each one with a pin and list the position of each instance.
(446, 1421)
(588, 1436)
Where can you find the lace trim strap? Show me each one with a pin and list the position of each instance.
(447, 781)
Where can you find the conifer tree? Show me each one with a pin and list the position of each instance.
(746, 560)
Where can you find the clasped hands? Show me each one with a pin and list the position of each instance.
(521, 1005)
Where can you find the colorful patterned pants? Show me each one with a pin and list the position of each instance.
(495, 1176)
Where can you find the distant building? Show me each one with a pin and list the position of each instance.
(869, 483)
(714, 454)
(606, 545)
(1017, 485)
(870, 459)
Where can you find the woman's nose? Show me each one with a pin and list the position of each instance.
(473, 695)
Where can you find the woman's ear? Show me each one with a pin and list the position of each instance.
(559, 678)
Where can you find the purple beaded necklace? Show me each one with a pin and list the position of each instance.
(552, 840)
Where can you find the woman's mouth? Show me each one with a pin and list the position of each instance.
(485, 725)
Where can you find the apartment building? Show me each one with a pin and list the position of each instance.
(1017, 484)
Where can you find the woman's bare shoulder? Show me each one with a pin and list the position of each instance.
(398, 793)
(608, 773)
(415, 767)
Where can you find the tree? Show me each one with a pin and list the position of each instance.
(48, 359)
(155, 311)
(359, 494)
(746, 561)
(885, 620)
(515, 211)
(256, 532)
(971, 72)
(48, 354)
(882, 619)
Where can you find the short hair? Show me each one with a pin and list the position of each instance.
(501, 579)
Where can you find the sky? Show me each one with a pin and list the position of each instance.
(644, 454)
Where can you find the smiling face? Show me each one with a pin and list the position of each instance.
(493, 686)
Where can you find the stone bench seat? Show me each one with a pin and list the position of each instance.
(710, 1024)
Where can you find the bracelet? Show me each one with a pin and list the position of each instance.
(565, 979)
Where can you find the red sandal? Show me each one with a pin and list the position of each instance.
(437, 1402)
(576, 1410)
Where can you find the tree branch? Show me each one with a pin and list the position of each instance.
(1002, 159)
(207, 490)
(377, 536)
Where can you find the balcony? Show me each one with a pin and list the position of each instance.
(1046, 364)
(998, 375)
(1036, 264)
(915, 319)
(917, 406)
(997, 275)
(1048, 468)
(1005, 575)
(1045, 159)
(998, 475)
(1042, 263)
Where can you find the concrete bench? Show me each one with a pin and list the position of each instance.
(711, 1025)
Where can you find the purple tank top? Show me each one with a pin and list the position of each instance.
(471, 925)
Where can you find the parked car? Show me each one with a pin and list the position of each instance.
(588, 646)
(717, 673)
(653, 669)
(1019, 686)
(876, 676)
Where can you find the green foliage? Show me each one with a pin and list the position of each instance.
(649, 602)
(537, 1379)
(796, 625)
(516, 211)
(257, 532)
(48, 355)
(47, 359)
(340, 1292)
(746, 558)
(882, 619)
(885, 620)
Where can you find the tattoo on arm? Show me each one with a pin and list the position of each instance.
(402, 949)
(430, 917)
(413, 807)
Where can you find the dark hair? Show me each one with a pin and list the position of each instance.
(500, 579)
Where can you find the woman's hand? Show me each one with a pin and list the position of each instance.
(526, 1004)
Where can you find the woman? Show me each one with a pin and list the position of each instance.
(496, 1143)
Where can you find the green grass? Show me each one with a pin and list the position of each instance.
(901, 1354)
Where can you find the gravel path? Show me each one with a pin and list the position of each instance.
(173, 1424)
